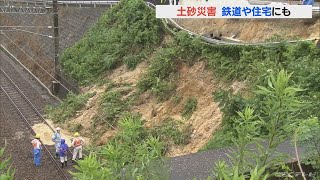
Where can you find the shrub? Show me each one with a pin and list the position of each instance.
(169, 130)
(68, 107)
(132, 153)
(124, 34)
(278, 118)
(132, 61)
(157, 78)
(6, 171)
(90, 169)
(176, 99)
(307, 135)
(111, 108)
(163, 90)
(189, 107)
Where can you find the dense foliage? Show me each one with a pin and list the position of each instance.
(268, 128)
(111, 108)
(129, 31)
(189, 107)
(6, 171)
(159, 75)
(308, 137)
(68, 107)
(171, 130)
(132, 154)
(124, 34)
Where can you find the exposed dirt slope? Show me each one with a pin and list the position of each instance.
(193, 81)
(250, 30)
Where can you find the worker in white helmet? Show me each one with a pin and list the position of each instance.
(36, 150)
(77, 143)
(56, 138)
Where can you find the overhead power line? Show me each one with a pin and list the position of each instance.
(15, 29)
(47, 71)
(49, 27)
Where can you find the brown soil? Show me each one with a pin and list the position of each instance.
(85, 116)
(250, 30)
(46, 134)
(123, 75)
(193, 81)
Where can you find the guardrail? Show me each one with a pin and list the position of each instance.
(222, 42)
(204, 38)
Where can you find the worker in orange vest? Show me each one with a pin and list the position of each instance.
(77, 143)
(36, 150)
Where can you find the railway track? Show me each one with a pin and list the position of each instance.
(29, 114)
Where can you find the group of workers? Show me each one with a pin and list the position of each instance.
(61, 147)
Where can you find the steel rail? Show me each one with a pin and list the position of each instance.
(11, 56)
(29, 102)
(26, 120)
(25, 97)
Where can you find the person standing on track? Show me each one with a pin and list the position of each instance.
(36, 150)
(56, 138)
(63, 153)
(77, 143)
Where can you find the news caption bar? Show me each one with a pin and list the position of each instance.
(234, 11)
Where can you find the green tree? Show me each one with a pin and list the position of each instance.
(280, 107)
(124, 34)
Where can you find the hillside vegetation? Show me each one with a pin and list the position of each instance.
(118, 37)
(135, 140)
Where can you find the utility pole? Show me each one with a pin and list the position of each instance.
(55, 84)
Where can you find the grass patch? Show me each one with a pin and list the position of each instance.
(157, 78)
(68, 107)
(111, 108)
(176, 99)
(229, 104)
(189, 107)
(170, 131)
(222, 138)
(76, 127)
